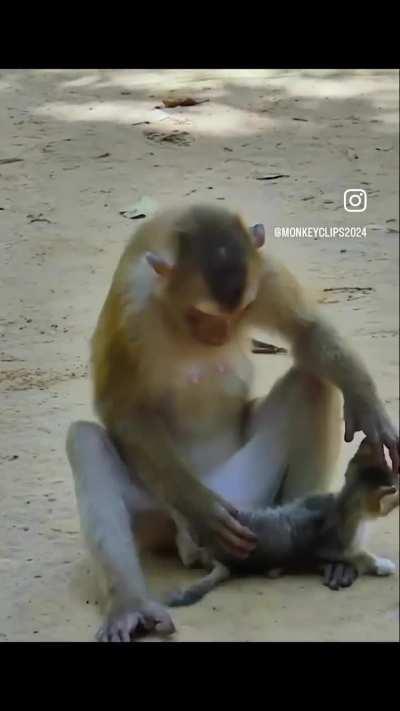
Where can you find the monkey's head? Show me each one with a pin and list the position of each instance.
(368, 473)
(213, 280)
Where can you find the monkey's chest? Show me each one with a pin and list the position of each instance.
(208, 394)
(206, 410)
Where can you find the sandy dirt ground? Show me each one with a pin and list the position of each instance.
(77, 148)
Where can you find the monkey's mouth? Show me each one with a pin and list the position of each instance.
(213, 340)
(217, 337)
(209, 329)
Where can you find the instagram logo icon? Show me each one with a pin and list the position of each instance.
(355, 200)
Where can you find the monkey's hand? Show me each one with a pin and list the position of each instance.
(214, 521)
(368, 415)
(125, 622)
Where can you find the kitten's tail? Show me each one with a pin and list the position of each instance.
(195, 592)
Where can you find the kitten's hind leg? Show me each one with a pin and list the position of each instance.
(369, 564)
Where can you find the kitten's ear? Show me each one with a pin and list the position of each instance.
(387, 499)
(159, 264)
(258, 232)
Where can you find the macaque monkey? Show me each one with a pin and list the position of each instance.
(171, 386)
(313, 532)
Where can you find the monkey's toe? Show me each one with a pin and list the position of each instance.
(128, 625)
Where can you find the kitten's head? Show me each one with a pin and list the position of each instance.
(368, 472)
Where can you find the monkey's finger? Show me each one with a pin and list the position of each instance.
(349, 428)
(124, 635)
(155, 617)
(229, 507)
(165, 625)
(337, 575)
(349, 575)
(147, 622)
(234, 545)
(237, 528)
(232, 550)
(330, 573)
(243, 543)
(393, 448)
(327, 573)
(233, 542)
(101, 635)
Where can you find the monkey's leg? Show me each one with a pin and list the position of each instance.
(292, 442)
(314, 418)
(314, 434)
(108, 501)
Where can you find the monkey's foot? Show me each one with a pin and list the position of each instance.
(339, 575)
(126, 624)
(383, 566)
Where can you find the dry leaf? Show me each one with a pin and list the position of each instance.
(183, 101)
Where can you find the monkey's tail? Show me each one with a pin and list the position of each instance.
(195, 592)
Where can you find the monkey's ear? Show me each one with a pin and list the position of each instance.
(159, 264)
(387, 498)
(258, 232)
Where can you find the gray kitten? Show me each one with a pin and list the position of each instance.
(313, 532)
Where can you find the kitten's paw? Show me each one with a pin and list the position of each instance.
(384, 566)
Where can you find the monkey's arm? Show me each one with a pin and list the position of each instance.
(129, 407)
(282, 305)
(147, 448)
